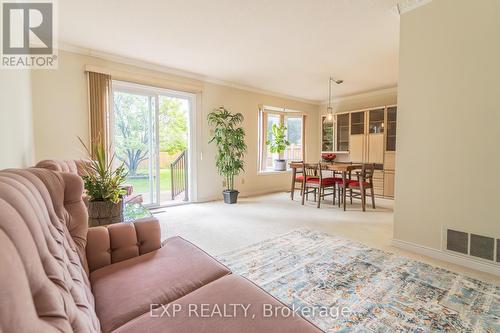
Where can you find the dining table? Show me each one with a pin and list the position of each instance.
(344, 167)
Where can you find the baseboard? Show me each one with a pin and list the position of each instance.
(209, 199)
(249, 194)
(457, 259)
(243, 194)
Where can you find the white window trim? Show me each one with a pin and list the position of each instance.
(262, 135)
(117, 85)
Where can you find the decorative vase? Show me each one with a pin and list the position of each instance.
(105, 212)
(230, 196)
(279, 165)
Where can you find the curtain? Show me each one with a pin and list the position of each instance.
(99, 95)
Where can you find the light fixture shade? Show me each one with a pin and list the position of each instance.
(329, 115)
(329, 109)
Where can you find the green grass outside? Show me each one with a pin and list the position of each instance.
(141, 185)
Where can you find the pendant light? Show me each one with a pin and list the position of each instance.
(329, 109)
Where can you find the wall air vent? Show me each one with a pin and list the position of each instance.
(457, 241)
(473, 245)
(482, 247)
(498, 250)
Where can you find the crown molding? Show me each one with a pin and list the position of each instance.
(176, 72)
(406, 6)
(364, 95)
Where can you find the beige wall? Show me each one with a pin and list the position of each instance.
(16, 131)
(60, 115)
(448, 121)
(60, 109)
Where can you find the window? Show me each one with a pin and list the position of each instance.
(294, 122)
(149, 128)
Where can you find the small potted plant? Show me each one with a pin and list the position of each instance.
(278, 143)
(328, 157)
(104, 186)
(229, 137)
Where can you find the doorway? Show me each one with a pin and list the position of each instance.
(151, 135)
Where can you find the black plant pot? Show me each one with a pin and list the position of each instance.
(230, 196)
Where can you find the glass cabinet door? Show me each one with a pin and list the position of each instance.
(357, 123)
(343, 132)
(391, 128)
(326, 135)
(376, 124)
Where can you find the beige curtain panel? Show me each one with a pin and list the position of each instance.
(99, 94)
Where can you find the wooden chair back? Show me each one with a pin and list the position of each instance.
(312, 170)
(366, 173)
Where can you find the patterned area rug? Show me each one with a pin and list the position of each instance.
(384, 292)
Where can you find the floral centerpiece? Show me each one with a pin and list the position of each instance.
(328, 157)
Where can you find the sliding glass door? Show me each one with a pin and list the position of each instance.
(150, 135)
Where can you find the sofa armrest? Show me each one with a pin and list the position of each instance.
(121, 241)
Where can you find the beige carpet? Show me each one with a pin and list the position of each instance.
(218, 228)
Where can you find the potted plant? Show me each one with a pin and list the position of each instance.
(229, 138)
(104, 186)
(278, 143)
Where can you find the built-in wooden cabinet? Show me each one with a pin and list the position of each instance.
(389, 184)
(366, 136)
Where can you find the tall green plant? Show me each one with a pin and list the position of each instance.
(277, 141)
(229, 138)
(101, 180)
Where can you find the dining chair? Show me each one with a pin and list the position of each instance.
(363, 182)
(313, 179)
(297, 177)
(339, 181)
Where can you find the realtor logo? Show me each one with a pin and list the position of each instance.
(28, 34)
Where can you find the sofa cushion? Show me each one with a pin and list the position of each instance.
(324, 181)
(355, 183)
(225, 292)
(125, 290)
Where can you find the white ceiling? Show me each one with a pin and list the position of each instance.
(289, 47)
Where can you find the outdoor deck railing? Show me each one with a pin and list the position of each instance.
(179, 176)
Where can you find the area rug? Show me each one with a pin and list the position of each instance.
(384, 292)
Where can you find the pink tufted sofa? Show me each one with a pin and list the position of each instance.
(57, 275)
(78, 167)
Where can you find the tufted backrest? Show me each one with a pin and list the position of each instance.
(43, 228)
(71, 166)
